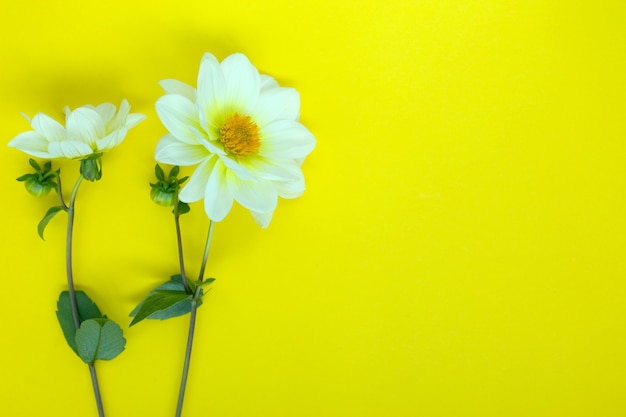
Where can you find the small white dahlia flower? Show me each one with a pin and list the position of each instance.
(242, 129)
(88, 130)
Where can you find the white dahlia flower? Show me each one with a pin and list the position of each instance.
(88, 130)
(242, 130)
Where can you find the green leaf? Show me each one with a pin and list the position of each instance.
(183, 208)
(159, 301)
(52, 211)
(194, 284)
(87, 309)
(207, 281)
(99, 339)
(158, 171)
(174, 285)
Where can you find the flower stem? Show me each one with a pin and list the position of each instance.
(192, 324)
(96, 389)
(68, 253)
(60, 193)
(179, 240)
(70, 285)
(207, 245)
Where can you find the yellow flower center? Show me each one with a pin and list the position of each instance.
(240, 136)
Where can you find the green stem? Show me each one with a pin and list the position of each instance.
(192, 324)
(96, 389)
(70, 286)
(207, 245)
(179, 240)
(68, 253)
(60, 193)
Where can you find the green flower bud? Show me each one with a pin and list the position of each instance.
(36, 187)
(42, 180)
(162, 196)
(165, 191)
(91, 168)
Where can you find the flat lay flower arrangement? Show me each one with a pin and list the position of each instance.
(240, 132)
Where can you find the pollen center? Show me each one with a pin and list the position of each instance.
(240, 136)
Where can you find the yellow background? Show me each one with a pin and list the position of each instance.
(458, 251)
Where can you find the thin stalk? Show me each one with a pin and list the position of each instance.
(68, 253)
(60, 193)
(96, 389)
(192, 324)
(179, 240)
(207, 245)
(70, 285)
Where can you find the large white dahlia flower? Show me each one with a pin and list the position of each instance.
(242, 130)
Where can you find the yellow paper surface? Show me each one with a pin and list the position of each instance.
(459, 250)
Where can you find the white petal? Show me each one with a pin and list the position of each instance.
(290, 189)
(67, 111)
(262, 219)
(273, 169)
(134, 119)
(72, 149)
(196, 186)
(267, 83)
(211, 86)
(31, 143)
(202, 138)
(48, 127)
(238, 169)
(217, 198)
(85, 125)
(170, 150)
(277, 104)
(179, 116)
(253, 195)
(286, 139)
(243, 82)
(112, 139)
(106, 111)
(178, 87)
(119, 119)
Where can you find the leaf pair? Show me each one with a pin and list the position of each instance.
(97, 337)
(168, 300)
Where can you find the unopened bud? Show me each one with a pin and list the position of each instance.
(90, 168)
(163, 197)
(36, 187)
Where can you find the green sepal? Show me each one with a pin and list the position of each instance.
(52, 211)
(158, 172)
(87, 309)
(99, 338)
(34, 164)
(165, 301)
(26, 177)
(174, 172)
